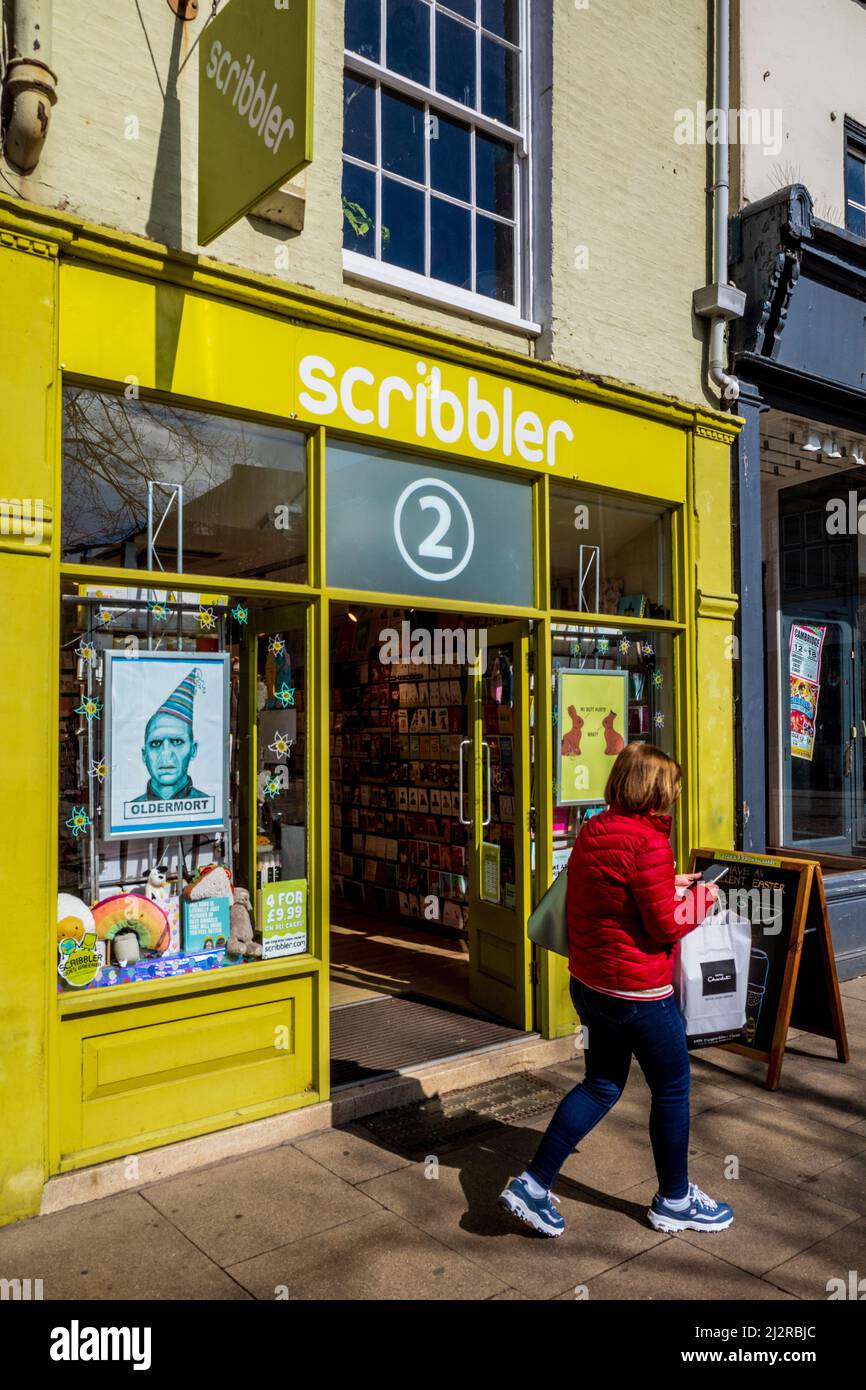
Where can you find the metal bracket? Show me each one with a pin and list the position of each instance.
(184, 9)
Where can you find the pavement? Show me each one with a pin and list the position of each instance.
(340, 1215)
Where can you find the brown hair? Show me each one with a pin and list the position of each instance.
(643, 779)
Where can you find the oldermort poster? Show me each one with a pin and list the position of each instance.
(166, 742)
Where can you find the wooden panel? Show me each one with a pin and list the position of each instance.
(155, 1074)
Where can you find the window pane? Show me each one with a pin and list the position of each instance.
(500, 17)
(451, 243)
(450, 158)
(240, 486)
(359, 119)
(408, 39)
(402, 136)
(647, 659)
(499, 82)
(455, 59)
(157, 783)
(855, 184)
(856, 221)
(403, 226)
(464, 7)
(363, 18)
(608, 556)
(494, 259)
(494, 175)
(359, 210)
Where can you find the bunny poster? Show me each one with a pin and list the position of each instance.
(592, 727)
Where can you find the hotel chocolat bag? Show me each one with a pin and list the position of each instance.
(711, 976)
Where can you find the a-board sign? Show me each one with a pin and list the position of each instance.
(792, 979)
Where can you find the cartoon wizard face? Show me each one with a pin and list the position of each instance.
(170, 745)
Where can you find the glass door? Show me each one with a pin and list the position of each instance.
(273, 792)
(821, 734)
(494, 806)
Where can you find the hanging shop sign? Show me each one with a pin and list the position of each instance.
(399, 526)
(792, 975)
(255, 106)
(359, 386)
(166, 742)
(591, 709)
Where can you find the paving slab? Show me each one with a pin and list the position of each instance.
(377, 1256)
(460, 1209)
(844, 1183)
(351, 1154)
(773, 1221)
(611, 1158)
(116, 1248)
(677, 1270)
(855, 989)
(837, 1257)
(245, 1206)
(774, 1139)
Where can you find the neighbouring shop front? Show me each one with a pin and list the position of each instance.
(799, 354)
(321, 648)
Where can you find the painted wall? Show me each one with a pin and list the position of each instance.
(806, 63)
(625, 195)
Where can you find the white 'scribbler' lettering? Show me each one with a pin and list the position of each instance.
(439, 411)
(249, 98)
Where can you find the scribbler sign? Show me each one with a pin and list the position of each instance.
(255, 106)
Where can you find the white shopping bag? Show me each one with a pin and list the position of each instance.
(711, 976)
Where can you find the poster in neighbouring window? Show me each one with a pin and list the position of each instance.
(166, 742)
(592, 728)
(807, 643)
(803, 713)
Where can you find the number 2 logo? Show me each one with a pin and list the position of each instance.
(434, 497)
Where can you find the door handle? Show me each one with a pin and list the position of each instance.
(485, 747)
(463, 744)
(849, 758)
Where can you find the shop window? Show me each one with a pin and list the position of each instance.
(855, 180)
(608, 555)
(183, 784)
(183, 773)
(434, 163)
(611, 686)
(147, 485)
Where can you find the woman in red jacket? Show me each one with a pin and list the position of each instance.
(626, 911)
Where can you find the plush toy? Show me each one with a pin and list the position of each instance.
(155, 885)
(241, 942)
(213, 881)
(74, 918)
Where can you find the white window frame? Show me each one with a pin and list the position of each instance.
(854, 145)
(370, 271)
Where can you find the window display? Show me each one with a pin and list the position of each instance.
(182, 784)
(634, 702)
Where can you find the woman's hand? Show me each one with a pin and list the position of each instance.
(683, 882)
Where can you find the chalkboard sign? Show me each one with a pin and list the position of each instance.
(792, 979)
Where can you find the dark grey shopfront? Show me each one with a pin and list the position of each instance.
(800, 547)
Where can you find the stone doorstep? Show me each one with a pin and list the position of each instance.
(347, 1104)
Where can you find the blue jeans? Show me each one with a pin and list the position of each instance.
(652, 1031)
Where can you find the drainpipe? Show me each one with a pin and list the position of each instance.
(720, 301)
(30, 84)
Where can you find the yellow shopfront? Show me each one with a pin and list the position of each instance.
(316, 656)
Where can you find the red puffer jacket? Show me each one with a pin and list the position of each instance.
(623, 916)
